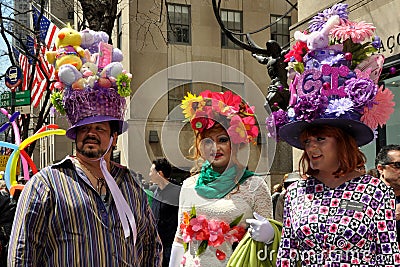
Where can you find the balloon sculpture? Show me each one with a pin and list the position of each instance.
(19, 146)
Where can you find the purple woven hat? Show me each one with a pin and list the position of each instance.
(96, 91)
(92, 105)
(334, 82)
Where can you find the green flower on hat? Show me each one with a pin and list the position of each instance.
(123, 83)
(199, 125)
(56, 100)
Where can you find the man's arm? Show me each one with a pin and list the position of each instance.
(152, 246)
(27, 241)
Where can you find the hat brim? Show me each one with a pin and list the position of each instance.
(71, 132)
(291, 132)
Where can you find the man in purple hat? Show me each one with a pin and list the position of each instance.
(87, 210)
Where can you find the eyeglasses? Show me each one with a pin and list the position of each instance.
(396, 164)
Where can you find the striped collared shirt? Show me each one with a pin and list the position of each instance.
(62, 221)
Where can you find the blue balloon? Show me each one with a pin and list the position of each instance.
(8, 166)
(4, 127)
(14, 116)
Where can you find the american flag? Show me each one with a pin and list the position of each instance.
(47, 33)
(25, 66)
(48, 30)
(40, 82)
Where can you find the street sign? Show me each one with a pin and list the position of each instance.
(14, 77)
(23, 109)
(22, 98)
(22, 101)
(5, 99)
(23, 94)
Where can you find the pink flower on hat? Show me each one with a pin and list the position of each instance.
(357, 31)
(242, 129)
(381, 110)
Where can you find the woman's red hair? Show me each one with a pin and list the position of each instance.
(349, 155)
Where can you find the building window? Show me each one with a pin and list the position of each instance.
(178, 24)
(280, 29)
(233, 22)
(119, 30)
(116, 156)
(177, 89)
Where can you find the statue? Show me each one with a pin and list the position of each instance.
(276, 67)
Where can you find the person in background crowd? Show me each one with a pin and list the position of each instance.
(7, 211)
(362, 169)
(276, 191)
(221, 190)
(373, 172)
(387, 163)
(87, 210)
(165, 204)
(291, 178)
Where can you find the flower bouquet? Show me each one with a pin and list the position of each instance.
(211, 232)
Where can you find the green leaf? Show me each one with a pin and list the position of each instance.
(185, 246)
(347, 46)
(299, 67)
(202, 247)
(193, 212)
(370, 50)
(236, 221)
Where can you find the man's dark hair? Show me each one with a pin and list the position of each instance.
(114, 126)
(383, 157)
(164, 166)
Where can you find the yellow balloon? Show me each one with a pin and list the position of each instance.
(22, 145)
(36, 136)
(13, 167)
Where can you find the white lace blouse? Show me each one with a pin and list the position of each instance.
(253, 195)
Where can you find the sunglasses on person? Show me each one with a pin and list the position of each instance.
(396, 164)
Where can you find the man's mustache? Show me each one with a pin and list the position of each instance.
(91, 138)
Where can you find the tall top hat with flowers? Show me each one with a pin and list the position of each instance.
(92, 86)
(334, 74)
(225, 108)
(92, 83)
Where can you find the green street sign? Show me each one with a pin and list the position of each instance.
(22, 101)
(23, 94)
(5, 99)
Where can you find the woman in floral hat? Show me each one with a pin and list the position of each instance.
(337, 216)
(215, 202)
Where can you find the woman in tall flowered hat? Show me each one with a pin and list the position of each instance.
(336, 216)
(216, 201)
